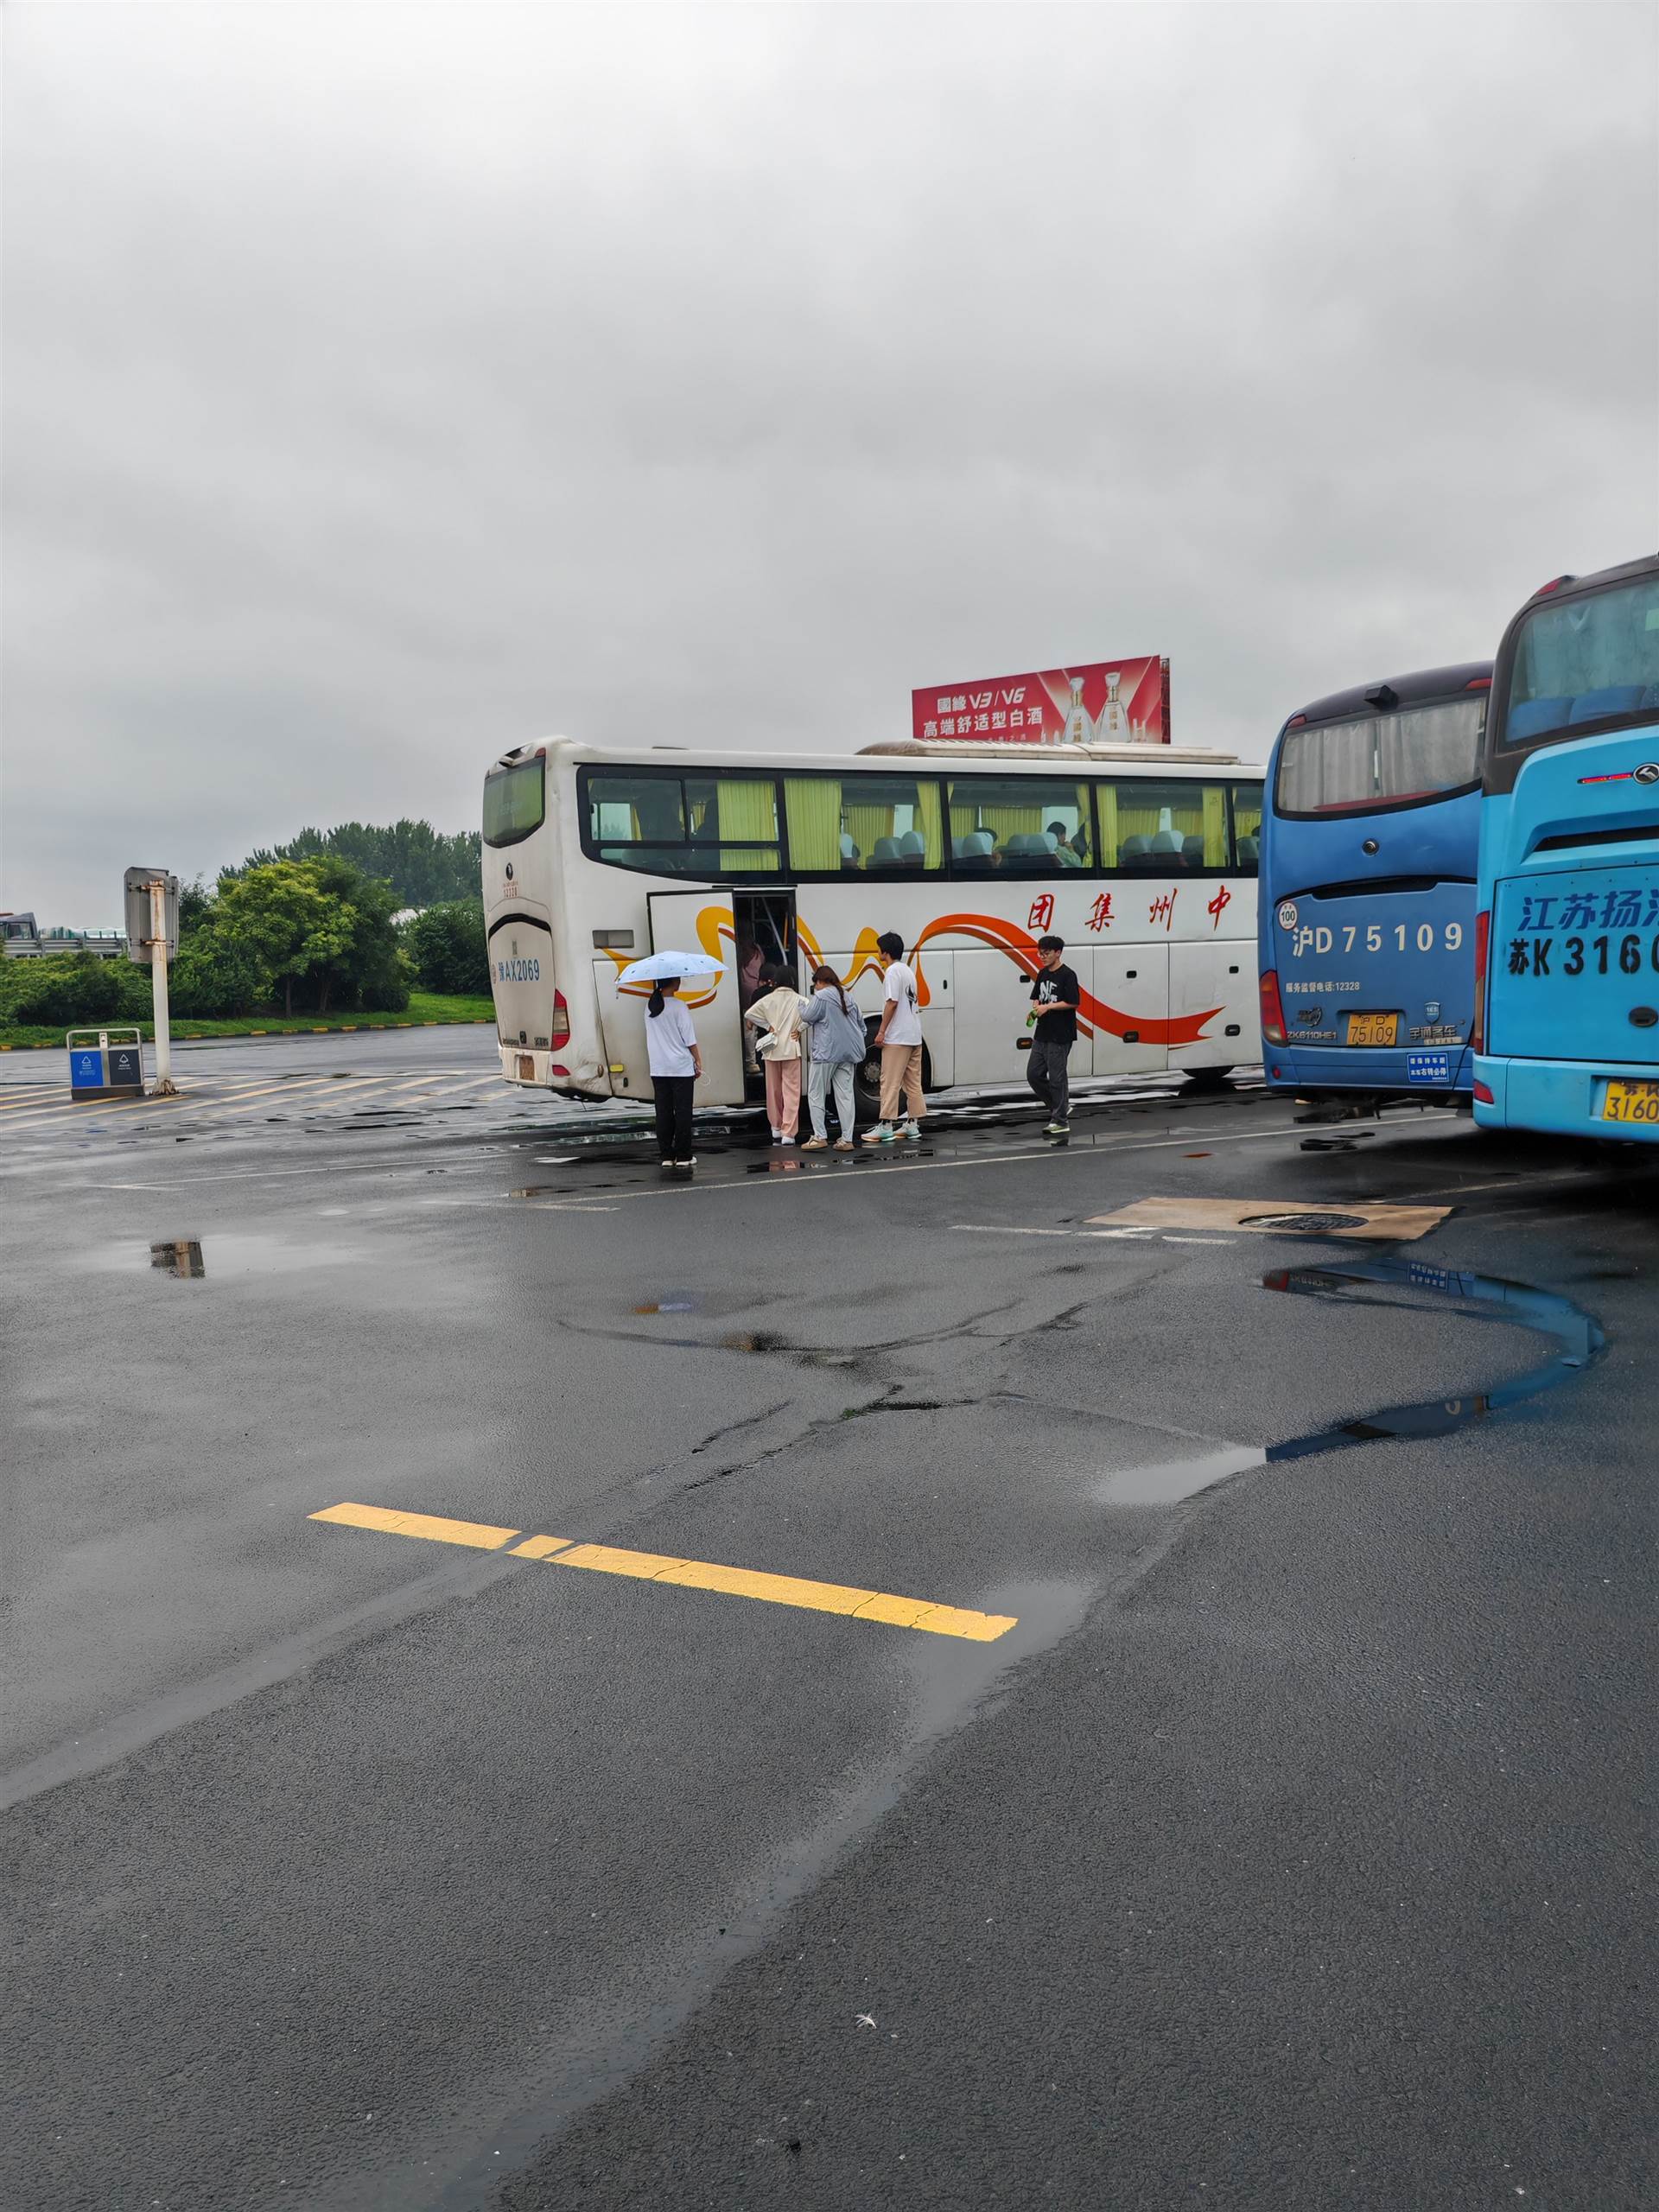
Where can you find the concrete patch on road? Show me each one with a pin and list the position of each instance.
(1389, 1224)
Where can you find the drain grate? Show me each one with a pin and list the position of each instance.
(1319, 1224)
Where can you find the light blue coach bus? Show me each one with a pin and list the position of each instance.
(1367, 911)
(1566, 1023)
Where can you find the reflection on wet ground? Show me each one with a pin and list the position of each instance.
(182, 1258)
(1579, 1344)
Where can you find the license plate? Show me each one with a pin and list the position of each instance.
(1372, 1029)
(1631, 1102)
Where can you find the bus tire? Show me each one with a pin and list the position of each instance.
(867, 1077)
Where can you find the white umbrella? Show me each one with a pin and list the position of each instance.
(656, 965)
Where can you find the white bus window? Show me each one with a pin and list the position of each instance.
(863, 825)
(700, 826)
(1149, 829)
(739, 815)
(514, 802)
(1025, 825)
(1247, 828)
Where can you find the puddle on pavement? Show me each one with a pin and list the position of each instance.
(186, 1257)
(182, 1258)
(1577, 1338)
(693, 1301)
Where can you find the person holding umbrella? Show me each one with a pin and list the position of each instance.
(675, 1063)
(671, 1049)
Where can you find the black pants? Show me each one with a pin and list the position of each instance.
(1049, 1076)
(674, 1115)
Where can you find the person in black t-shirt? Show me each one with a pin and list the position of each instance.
(1054, 993)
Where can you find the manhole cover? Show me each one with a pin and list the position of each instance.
(1316, 1222)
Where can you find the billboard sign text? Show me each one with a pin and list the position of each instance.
(1098, 702)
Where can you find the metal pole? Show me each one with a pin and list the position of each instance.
(165, 1086)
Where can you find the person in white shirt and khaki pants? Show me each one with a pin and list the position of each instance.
(899, 1037)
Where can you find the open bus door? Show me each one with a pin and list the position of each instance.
(702, 921)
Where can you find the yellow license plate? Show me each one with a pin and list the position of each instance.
(1631, 1102)
(1372, 1029)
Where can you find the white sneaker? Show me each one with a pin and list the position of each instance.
(879, 1134)
(777, 1136)
(785, 1139)
(911, 1129)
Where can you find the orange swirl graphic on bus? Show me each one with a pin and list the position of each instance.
(715, 923)
(1095, 1014)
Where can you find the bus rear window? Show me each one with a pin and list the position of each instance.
(514, 802)
(1380, 760)
(1584, 663)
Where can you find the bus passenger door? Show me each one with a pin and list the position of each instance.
(1217, 979)
(676, 917)
(1131, 983)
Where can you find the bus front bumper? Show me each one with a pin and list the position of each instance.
(1561, 1097)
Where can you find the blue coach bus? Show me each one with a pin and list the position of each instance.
(1366, 917)
(1567, 1026)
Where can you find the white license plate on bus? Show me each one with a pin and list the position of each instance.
(1631, 1102)
(1372, 1029)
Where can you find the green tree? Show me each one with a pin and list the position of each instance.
(447, 947)
(282, 919)
(423, 865)
(215, 977)
(361, 963)
(319, 927)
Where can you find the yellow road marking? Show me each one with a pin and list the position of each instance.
(478, 1534)
(920, 1613)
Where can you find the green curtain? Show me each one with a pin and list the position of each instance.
(813, 806)
(1215, 826)
(746, 808)
(865, 824)
(930, 821)
(1106, 796)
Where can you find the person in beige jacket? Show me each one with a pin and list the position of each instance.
(778, 1014)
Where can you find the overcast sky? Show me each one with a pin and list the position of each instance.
(387, 386)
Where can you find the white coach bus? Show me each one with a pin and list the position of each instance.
(1143, 859)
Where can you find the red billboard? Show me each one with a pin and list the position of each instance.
(1099, 703)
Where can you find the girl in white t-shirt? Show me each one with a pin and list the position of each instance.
(675, 1063)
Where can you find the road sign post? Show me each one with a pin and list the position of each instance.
(164, 1084)
(153, 934)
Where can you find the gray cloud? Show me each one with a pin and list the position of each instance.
(388, 384)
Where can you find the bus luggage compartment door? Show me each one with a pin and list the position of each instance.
(1131, 985)
(1217, 979)
(701, 921)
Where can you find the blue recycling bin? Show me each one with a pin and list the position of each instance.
(105, 1062)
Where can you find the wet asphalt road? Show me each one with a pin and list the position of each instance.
(1289, 1851)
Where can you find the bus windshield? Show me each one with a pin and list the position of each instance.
(1380, 760)
(1584, 663)
(514, 802)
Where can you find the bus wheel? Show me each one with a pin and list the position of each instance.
(1208, 1078)
(866, 1079)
